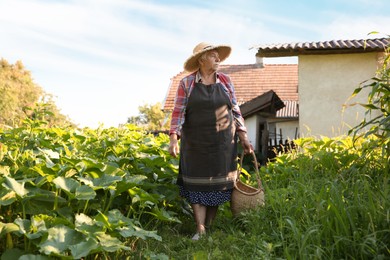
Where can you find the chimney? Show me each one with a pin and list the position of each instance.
(259, 62)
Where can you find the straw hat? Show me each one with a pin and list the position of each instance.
(191, 64)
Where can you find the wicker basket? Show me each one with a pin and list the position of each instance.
(246, 197)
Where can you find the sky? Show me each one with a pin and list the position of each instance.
(102, 59)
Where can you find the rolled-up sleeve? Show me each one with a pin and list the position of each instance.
(178, 110)
(238, 118)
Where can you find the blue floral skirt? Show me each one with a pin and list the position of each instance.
(207, 198)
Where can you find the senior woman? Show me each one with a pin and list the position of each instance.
(207, 119)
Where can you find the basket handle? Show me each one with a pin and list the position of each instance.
(259, 184)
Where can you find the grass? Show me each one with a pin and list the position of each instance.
(331, 203)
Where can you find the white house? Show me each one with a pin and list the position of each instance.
(328, 74)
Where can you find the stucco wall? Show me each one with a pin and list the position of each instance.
(289, 129)
(325, 84)
(251, 125)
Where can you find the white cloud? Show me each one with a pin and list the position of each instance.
(104, 58)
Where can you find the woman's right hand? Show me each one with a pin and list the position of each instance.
(173, 145)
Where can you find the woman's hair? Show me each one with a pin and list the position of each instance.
(203, 56)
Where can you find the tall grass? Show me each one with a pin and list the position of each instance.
(327, 200)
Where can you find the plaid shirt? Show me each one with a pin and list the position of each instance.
(184, 91)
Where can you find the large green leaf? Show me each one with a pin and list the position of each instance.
(14, 253)
(102, 218)
(15, 186)
(32, 229)
(83, 219)
(129, 181)
(116, 218)
(134, 231)
(84, 248)
(85, 192)
(110, 244)
(4, 170)
(34, 257)
(87, 225)
(7, 228)
(24, 225)
(67, 184)
(42, 201)
(59, 240)
(7, 197)
(39, 169)
(106, 180)
(164, 215)
(103, 182)
(113, 219)
(113, 170)
(88, 163)
(140, 195)
(50, 153)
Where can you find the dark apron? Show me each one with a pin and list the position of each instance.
(208, 148)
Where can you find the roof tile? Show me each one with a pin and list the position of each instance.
(251, 81)
(334, 46)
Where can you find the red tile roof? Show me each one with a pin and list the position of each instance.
(251, 81)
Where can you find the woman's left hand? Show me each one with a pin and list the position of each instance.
(248, 148)
(246, 145)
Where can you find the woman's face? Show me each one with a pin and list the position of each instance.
(212, 60)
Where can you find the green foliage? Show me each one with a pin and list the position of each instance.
(111, 193)
(72, 193)
(377, 118)
(331, 200)
(151, 118)
(21, 98)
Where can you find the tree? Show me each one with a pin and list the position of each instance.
(20, 97)
(151, 118)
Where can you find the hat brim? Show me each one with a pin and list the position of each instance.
(191, 64)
